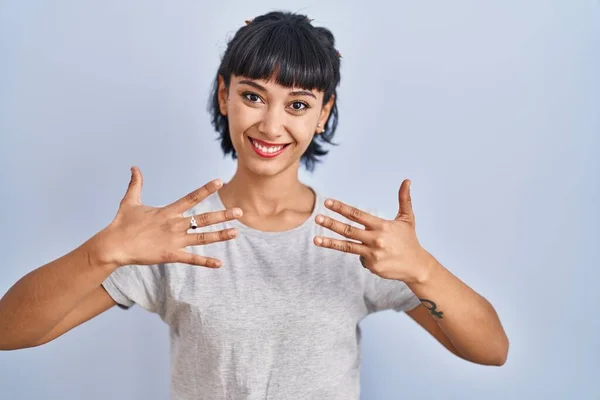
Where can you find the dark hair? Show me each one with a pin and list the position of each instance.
(301, 54)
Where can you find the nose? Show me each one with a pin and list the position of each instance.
(272, 123)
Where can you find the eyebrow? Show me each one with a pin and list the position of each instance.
(260, 87)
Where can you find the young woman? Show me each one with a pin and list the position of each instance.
(287, 274)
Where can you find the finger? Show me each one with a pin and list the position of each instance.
(195, 197)
(194, 239)
(346, 230)
(133, 195)
(345, 246)
(353, 213)
(405, 210)
(195, 259)
(211, 218)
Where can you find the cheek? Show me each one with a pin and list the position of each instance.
(241, 117)
(303, 128)
(302, 134)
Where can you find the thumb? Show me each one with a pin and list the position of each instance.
(134, 190)
(405, 211)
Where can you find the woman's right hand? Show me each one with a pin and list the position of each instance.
(144, 235)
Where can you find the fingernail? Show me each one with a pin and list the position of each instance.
(232, 232)
(218, 182)
(237, 212)
(318, 240)
(328, 203)
(320, 219)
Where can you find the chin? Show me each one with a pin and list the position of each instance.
(262, 168)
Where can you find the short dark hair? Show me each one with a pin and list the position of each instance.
(301, 54)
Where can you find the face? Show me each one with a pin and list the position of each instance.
(270, 125)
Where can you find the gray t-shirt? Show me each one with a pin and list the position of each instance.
(279, 320)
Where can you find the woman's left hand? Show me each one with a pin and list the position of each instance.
(388, 248)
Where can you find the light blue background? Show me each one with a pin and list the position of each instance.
(491, 108)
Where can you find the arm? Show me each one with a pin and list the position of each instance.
(461, 316)
(421, 316)
(43, 298)
(390, 249)
(90, 307)
(66, 292)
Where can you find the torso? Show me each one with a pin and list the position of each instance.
(278, 320)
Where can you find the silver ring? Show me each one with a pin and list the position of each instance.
(193, 223)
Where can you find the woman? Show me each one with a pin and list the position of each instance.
(287, 274)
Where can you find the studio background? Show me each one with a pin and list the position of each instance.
(492, 109)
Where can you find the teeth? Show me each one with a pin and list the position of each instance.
(267, 149)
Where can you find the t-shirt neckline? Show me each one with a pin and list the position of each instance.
(306, 224)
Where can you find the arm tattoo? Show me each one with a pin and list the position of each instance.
(432, 307)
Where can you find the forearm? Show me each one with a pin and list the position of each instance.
(467, 319)
(43, 297)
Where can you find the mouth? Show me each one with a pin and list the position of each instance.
(267, 150)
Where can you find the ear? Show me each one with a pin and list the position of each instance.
(222, 93)
(325, 111)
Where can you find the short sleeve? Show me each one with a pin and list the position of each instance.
(138, 284)
(388, 294)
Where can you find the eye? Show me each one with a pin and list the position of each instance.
(252, 97)
(299, 106)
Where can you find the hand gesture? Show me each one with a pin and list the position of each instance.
(144, 235)
(388, 248)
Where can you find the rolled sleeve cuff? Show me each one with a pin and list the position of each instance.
(118, 296)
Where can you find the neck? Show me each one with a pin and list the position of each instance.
(264, 195)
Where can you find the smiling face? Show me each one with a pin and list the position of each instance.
(270, 125)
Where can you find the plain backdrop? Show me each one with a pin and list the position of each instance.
(491, 108)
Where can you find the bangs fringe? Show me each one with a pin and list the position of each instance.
(290, 56)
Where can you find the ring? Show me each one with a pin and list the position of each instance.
(193, 223)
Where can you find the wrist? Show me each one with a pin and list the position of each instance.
(426, 269)
(98, 252)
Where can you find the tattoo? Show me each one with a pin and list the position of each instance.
(432, 308)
